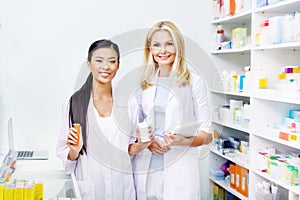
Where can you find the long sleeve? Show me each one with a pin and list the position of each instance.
(202, 105)
(62, 148)
(135, 113)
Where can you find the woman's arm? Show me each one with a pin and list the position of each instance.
(62, 148)
(195, 141)
(138, 146)
(202, 111)
(72, 144)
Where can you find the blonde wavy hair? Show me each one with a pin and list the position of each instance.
(179, 67)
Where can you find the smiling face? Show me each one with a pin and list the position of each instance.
(162, 48)
(104, 64)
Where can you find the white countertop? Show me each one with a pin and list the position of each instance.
(57, 184)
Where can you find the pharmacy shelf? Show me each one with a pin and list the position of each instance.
(234, 19)
(227, 187)
(288, 46)
(270, 137)
(264, 57)
(281, 7)
(263, 96)
(294, 189)
(234, 159)
(233, 126)
(236, 50)
(278, 99)
(241, 94)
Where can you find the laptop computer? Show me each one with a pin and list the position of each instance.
(25, 154)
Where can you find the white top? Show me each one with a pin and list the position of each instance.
(105, 171)
(160, 100)
(184, 105)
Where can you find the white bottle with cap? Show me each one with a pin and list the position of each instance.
(219, 37)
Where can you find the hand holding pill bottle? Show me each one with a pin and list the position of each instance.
(78, 128)
(144, 132)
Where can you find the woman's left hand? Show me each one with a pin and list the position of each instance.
(174, 139)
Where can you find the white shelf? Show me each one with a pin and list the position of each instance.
(241, 94)
(294, 189)
(288, 46)
(236, 50)
(292, 144)
(269, 58)
(227, 187)
(262, 97)
(233, 126)
(281, 7)
(279, 99)
(234, 159)
(234, 19)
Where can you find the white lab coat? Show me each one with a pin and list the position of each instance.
(181, 168)
(105, 172)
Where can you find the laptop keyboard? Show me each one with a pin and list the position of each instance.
(24, 154)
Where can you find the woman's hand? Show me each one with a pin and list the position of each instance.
(144, 145)
(139, 145)
(199, 139)
(158, 147)
(72, 143)
(174, 140)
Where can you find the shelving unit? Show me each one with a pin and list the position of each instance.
(292, 144)
(232, 126)
(236, 19)
(267, 106)
(238, 50)
(240, 161)
(242, 94)
(224, 185)
(295, 189)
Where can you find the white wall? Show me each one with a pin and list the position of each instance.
(43, 45)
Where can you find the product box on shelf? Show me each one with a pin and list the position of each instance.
(239, 179)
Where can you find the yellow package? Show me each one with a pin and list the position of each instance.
(262, 83)
(18, 193)
(29, 192)
(293, 137)
(8, 193)
(281, 76)
(2, 185)
(38, 190)
(296, 70)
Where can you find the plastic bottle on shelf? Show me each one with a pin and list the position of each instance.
(220, 37)
(295, 177)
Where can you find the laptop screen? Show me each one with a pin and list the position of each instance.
(23, 154)
(10, 135)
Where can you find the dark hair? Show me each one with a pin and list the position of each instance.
(102, 44)
(79, 101)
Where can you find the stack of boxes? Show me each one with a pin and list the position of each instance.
(238, 176)
(282, 167)
(239, 179)
(21, 190)
(289, 82)
(235, 113)
(290, 129)
(279, 29)
(222, 194)
(223, 8)
(17, 189)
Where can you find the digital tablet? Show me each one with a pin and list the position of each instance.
(187, 130)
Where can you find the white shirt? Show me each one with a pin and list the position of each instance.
(105, 143)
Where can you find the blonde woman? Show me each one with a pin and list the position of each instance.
(172, 101)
